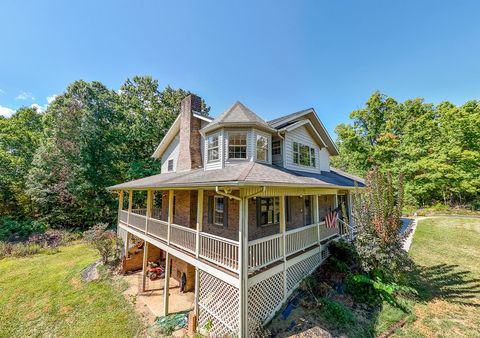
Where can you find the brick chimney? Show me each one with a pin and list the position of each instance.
(190, 155)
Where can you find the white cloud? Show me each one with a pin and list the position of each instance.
(25, 96)
(38, 107)
(51, 98)
(2, 92)
(5, 111)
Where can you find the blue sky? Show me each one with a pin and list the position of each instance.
(276, 57)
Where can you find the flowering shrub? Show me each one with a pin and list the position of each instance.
(105, 241)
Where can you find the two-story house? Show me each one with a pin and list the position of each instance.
(238, 210)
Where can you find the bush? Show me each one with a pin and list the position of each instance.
(105, 241)
(337, 312)
(342, 251)
(25, 249)
(11, 229)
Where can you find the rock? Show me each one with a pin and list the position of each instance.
(90, 273)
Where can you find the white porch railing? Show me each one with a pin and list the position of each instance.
(301, 238)
(157, 228)
(221, 251)
(123, 216)
(264, 251)
(183, 237)
(137, 221)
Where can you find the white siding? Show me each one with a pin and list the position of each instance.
(171, 153)
(300, 135)
(324, 160)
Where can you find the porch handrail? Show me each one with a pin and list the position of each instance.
(288, 232)
(265, 251)
(184, 228)
(183, 237)
(264, 239)
(299, 239)
(228, 240)
(219, 250)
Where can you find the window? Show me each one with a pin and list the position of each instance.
(218, 210)
(268, 211)
(237, 145)
(170, 165)
(262, 148)
(212, 146)
(303, 155)
(276, 148)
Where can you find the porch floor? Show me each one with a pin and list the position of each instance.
(152, 299)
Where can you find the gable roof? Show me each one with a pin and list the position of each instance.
(238, 115)
(288, 120)
(172, 133)
(244, 174)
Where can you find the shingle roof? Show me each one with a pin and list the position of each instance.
(250, 173)
(279, 120)
(237, 114)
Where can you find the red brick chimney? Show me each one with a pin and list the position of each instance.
(190, 155)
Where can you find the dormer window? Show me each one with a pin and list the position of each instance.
(237, 145)
(276, 147)
(212, 146)
(262, 148)
(303, 155)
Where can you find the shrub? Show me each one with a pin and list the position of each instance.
(25, 249)
(105, 241)
(337, 312)
(19, 229)
(342, 251)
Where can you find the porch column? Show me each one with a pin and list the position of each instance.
(199, 221)
(149, 209)
(197, 246)
(120, 200)
(166, 285)
(144, 265)
(170, 213)
(317, 217)
(130, 202)
(283, 228)
(350, 208)
(243, 264)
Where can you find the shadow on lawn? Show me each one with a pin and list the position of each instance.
(447, 282)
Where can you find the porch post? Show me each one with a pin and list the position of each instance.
(199, 221)
(149, 209)
(170, 213)
(130, 201)
(317, 217)
(144, 265)
(166, 285)
(283, 228)
(120, 200)
(243, 264)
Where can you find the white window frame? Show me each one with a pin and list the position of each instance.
(237, 132)
(264, 149)
(275, 147)
(212, 148)
(311, 153)
(218, 211)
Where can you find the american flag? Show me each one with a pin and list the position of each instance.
(330, 219)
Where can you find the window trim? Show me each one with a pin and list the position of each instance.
(236, 145)
(215, 210)
(312, 158)
(217, 147)
(275, 147)
(276, 211)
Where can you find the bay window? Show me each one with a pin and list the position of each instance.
(213, 148)
(262, 148)
(237, 145)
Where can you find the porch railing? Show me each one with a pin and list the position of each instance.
(264, 251)
(183, 237)
(137, 221)
(301, 238)
(221, 251)
(157, 228)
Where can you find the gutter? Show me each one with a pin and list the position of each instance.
(224, 193)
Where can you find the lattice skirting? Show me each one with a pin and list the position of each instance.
(218, 304)
(298, 271)
(263, 300)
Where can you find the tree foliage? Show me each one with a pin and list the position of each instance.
(55, 166)
(437, 148)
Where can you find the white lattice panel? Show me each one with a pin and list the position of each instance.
(263, 300)
(218, 303)
(298, 271)
(325, 253)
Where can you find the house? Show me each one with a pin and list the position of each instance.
(237, 213)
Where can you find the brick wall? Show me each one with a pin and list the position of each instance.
(325, 204)
(231, 231)
(296, 206)
(189, 155)
(185, 208)
(179, 267)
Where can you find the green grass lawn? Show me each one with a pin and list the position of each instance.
(43, 295)
(448, 253)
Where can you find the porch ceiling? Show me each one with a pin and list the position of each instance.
(246, 174)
